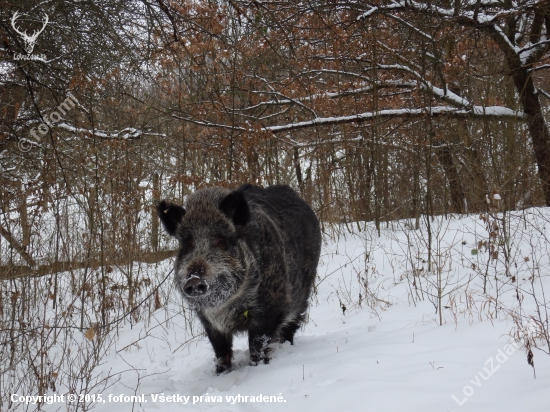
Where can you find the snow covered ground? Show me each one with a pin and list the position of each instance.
(386, 351)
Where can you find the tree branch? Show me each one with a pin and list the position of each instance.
(477, 112)
(6, 234)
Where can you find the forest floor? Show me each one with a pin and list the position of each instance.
(375, 339)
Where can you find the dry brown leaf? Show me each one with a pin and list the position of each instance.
(90, 333)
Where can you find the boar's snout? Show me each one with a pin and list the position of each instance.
(195, 286)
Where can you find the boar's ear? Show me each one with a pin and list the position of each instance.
(235, 207)
(170, 215)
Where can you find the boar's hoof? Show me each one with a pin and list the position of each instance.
(223, 365)
(257, 358)
(257, 362)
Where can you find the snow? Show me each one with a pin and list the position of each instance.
(391, 355)
(497, 112)
(128, 133)
(359, 89)
(367, 13)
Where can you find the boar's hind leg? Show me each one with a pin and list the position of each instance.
(222, 344)
(288, 331)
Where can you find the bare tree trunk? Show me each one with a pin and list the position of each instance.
(416, 196)
(453, 177)
(538, 128)
(25, 227)
(521, 73)
(154, 217)
(298, 170)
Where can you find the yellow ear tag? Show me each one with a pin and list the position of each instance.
(245, 313)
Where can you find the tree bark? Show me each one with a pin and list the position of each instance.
(521, 73)
(538, 128)
(453, 177)
(154, 217)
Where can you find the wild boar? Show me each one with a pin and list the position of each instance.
(247, 261)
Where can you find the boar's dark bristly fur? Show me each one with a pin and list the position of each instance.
(246, 263)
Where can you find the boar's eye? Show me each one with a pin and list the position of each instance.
(186, 245)
(220, 243)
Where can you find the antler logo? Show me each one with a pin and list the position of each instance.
(29, 40)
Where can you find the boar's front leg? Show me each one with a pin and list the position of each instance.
(261, 335)
(265, 322)
(258, 341)
(222, 344)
